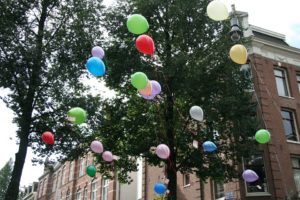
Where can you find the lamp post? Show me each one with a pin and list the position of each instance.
(235, 32)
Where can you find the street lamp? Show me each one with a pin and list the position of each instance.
(235, 32)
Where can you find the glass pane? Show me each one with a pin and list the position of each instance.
(219, 189)
(256, 163)
(296, 163)
(281, 87)
(299, 86)
(288, 124)
(286, 114)
(298, 77)
(278, 72)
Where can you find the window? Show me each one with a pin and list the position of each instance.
(45, 186)
(85, 194)
(281, 82)
(70, 170)
(105, 184)
(186, 180)
(78, 195)
(296, 170)
(219, 190)
(94, 191)
(68, 196)
(298, 81)
(58, 195)
(59, 179)
(256, 163)
(54, 183)
(63, 175)
(289, 125)
(82, 166)
(41, 189)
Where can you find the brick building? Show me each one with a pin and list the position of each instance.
(274, 67)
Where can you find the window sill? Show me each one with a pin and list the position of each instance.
(221, 198)
(256, 194)
(287, 97)
(188, 185)
(293, 142)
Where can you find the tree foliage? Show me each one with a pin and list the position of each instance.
(5, 174)
(43, 48)
(192, 64)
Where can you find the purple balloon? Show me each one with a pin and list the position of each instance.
(151, 97)
(96, 146)
(250, 175)
(163, 151)
(156, 88)
(98, 52)
(107, 156)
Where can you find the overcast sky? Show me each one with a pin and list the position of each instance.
(279, 16)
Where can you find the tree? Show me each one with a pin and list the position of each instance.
(193, 67)
(5, 174)
(43, 47)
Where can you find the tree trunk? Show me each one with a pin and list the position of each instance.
(202, 197)
(13, 187)
(172, 176)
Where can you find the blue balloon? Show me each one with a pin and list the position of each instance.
(209, 146)
(95, 66)
(160, 188)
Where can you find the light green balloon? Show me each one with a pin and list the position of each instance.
(139, 80)
(91, 170)
(77, 115)
(137, 24)
(262, 136)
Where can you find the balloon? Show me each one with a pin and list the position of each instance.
(96, 146)
(48, 137)
(250, 175)
(98, 52)
(147, 91)
(209, 146)
(217, 10)
(91, 170)
(145, 44)
(151, 97)
(107, 156)
(160, 188)
(137, 24)
(262, 136)
(77, 115)
(163, 151)
(139, 80)
(238, 54)
(156, 88)
(196, 113)
(95, 66)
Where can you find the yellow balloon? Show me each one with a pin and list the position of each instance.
(216, 10)
(238, 54)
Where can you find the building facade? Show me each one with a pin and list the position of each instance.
(274, 67)
(29, 192)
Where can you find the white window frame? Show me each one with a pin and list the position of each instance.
(85, 193)
(94, 190)
(105, 187)
(215, 192)
(298, 80)
(78, 195)
(54, 183)
(251, 194)
(185, 182)
(295, 125)
(82, 166)
(63, 178)
(297, 168)
(71, 167)
(41, 188)
(45, 186)
(285, 79)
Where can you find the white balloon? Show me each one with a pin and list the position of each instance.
(196, 113)
(216, 10)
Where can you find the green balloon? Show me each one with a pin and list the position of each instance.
(137, 24)
(262, 136)
(77, 115)
(91, 170)
(139, 80)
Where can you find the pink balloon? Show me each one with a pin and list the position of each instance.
(163, 151)
(156, 88)
(107, 156)
(96, 146)
(147, 91)
(151, 97)
(98, 52)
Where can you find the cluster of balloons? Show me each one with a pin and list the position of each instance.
(160, 188)
(97, 147)
(95, 65)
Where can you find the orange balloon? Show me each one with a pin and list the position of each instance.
(147, 91)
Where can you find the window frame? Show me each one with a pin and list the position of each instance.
(285, 81)
(78, 194)
(105, 188)
(215, 190)
(71, 168)
(94, 190)
(298, 80)
(264, 193)
(82, 167)
(294, 125)
(296, 169)
(54, 182)
(85, 193)
(186, 180)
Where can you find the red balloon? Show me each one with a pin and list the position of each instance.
(48, 137)
(145, 44)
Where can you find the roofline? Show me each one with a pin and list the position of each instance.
(267, 32)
